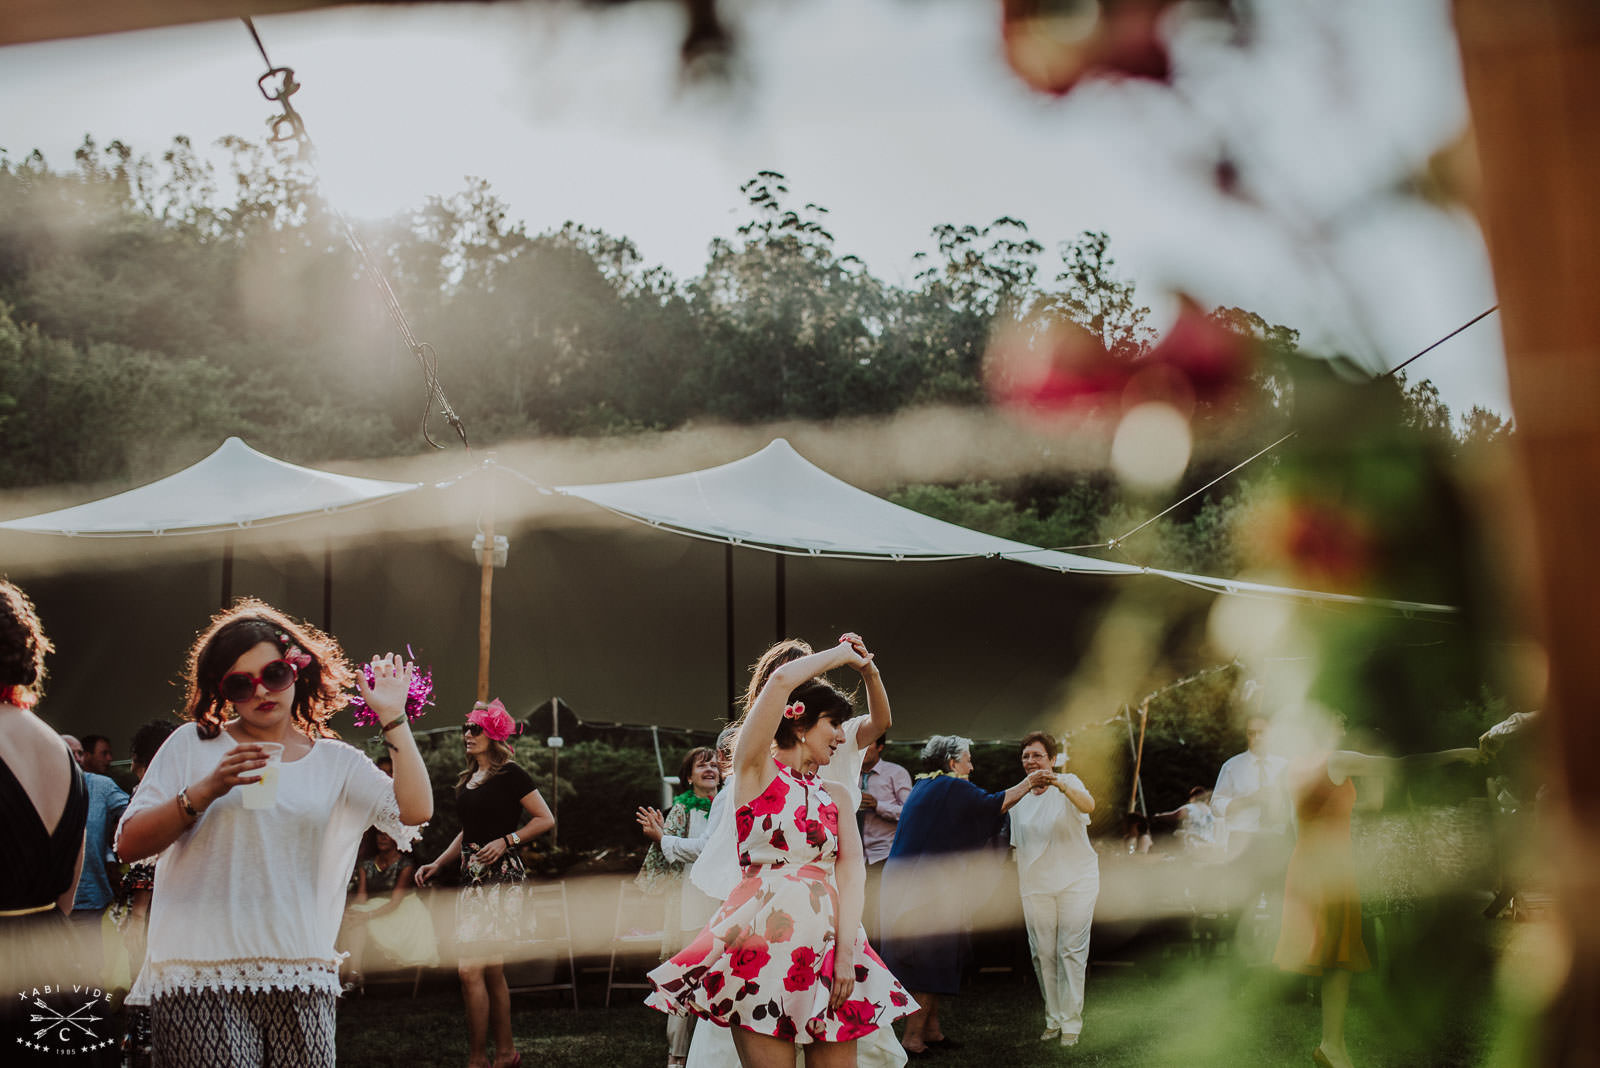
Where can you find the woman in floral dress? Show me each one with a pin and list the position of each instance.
(770, 966)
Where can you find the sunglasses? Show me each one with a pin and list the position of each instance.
(276, 676)
(471, 730)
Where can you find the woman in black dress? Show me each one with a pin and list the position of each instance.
(499, 810)
(44, 804)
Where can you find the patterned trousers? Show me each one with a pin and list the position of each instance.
(243, 1029)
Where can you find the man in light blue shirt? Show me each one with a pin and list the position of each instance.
(95, 895)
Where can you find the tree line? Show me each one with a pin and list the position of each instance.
(150, 307)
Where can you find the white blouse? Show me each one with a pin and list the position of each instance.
(1051, 837)
(251, 899)
(716, 869)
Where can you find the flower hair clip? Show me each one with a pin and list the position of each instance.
(293, 653)
(418, 696)
(794, 711)
(494, 719)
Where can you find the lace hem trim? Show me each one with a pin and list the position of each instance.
(250, 974)
(387, 820)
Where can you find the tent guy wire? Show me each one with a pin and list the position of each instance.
(1115, 543)
(1402, 364)
(290, 127)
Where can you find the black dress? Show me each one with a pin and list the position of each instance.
(490, 911)
(37, 952)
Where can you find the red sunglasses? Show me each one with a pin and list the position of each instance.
(238, 686)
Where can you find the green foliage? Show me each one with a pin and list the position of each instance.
(1089, 511)
(164, 303)
(1095, 299)
(1193, 727)
(609, 784)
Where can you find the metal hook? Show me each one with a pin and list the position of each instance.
(285, 91)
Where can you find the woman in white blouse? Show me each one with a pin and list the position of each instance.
(1059, 874)
(240, 967)
(679, 836)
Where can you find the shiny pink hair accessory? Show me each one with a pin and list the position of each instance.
(794, 711)
(494, 719)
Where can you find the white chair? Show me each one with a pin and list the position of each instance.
(636, 912)
(552, 939)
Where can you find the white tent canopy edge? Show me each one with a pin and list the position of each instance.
(234, 488)
(778, 501)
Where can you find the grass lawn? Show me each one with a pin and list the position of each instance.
(1178, 1011)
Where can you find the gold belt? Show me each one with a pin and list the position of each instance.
(27, 912)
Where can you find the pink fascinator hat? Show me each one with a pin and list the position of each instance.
(494, 719)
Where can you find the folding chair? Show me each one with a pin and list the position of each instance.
(552, 939)
(633, 907)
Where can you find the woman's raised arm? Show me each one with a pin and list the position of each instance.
(879, 718)
(413, 793)
(755, 736)
(1346, 764)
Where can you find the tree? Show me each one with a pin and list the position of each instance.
(1094, 298)
(791, 327)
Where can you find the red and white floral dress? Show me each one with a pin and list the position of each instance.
(765, 961)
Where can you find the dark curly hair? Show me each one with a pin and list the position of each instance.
(823, 700)
(319, 688)
(23, 645)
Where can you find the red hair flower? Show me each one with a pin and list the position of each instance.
(293, 653)
(794, 711)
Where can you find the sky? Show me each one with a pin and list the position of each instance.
(896, 115)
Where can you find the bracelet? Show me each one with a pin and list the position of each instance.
(392, 724)
(186, 805)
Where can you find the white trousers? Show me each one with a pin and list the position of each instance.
(1058, 939)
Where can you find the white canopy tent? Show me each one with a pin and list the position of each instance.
(774, 501)
(779, 501)
(235, 488)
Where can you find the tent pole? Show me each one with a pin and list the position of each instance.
(727, 595)
(555, 769)
(227, 569)
(781, 580)
(486, 591)
(1137, 797)
(327, 586)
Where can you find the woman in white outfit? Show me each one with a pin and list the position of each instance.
(677, 839)
(240, 970)
(1059, 874)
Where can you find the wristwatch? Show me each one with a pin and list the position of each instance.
(516, 839)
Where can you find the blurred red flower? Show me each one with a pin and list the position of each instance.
(1054, 44)
(1210, 358)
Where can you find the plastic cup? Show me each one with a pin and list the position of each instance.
(264, 794)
